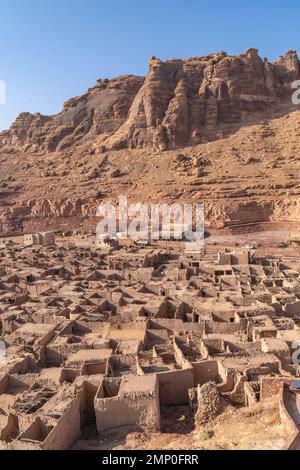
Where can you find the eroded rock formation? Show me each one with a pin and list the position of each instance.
(101, 111)
(218, 129)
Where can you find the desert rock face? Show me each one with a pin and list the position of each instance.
(183, 101)
(179, 103)
(102, 110)
(218, 129)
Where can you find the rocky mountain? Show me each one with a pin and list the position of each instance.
(179, 103)
(101, 111)
(219, 129)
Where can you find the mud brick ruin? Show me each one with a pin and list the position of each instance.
(109, 337)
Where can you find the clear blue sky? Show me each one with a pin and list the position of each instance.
(53, 50)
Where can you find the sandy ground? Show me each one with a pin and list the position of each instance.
(254, 428)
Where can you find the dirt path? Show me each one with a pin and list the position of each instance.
(264, 237)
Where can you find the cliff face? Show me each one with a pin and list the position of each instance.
(218, 129)
(179, 103)
(184, 102)
(101, 111)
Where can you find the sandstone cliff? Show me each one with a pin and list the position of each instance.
(217, 129)
(179, 103)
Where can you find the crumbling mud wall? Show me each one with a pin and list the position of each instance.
(286, 418)
(211, 404)
(205, 371)
(139, 409)
(174, 386)
(67, 429)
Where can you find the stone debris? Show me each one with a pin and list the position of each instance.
(33, 403)
(210, 403)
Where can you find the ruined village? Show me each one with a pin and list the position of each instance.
(101, 336)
